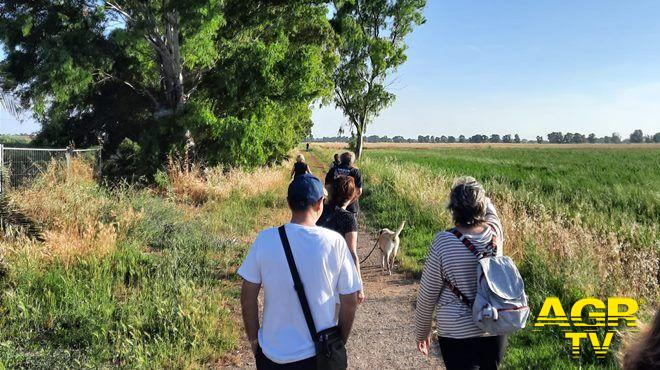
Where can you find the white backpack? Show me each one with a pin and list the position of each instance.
(500, 306)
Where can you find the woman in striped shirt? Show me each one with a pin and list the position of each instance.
(462, 344)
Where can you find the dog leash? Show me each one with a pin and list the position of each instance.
(372, 250)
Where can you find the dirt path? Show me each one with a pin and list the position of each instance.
(382, 336)
(317, 167)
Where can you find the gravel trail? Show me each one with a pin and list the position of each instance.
(383, 335)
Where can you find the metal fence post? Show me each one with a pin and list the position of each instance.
(2, 166)
(70, 152)
(100, 163)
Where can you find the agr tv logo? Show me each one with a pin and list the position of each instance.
(603, 315)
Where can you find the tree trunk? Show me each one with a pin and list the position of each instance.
(169, 56)
(172, 62)
(162, 32)
(359, 140)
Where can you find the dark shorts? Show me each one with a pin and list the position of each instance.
(482, 353)
(263, 363)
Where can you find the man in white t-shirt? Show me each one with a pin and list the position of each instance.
(326, 270)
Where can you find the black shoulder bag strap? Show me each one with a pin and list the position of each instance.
(297, 284)
(468, 244)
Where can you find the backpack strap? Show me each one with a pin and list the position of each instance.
(491, 247)
(468, 244)
(297, 284)
(458, 293)
(493, 239)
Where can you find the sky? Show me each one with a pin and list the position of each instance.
(526, 67)
(9, 124)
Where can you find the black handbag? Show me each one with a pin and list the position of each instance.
(330, 348)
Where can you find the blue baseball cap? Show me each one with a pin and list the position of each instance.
(304, 190)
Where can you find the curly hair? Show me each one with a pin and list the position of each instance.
(343, 190)
(347, 158)
(644, 353)
(467, 201)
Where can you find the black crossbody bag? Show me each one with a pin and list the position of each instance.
(330, 348)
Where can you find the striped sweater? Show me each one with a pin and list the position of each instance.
(449, 259)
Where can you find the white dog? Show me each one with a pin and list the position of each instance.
(388, 242)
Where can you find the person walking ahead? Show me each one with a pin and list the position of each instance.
(326, 269)
(300, 167)
(346, 168)
(463, 345)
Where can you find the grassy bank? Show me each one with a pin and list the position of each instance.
(577, 221)
(138, 278)
(15, 140)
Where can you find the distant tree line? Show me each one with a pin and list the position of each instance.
(554, 137)
(636, 136)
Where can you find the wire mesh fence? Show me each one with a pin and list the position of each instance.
(18, 166)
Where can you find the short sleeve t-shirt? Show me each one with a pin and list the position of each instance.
(338, 219)
(346, 170)
(326, 269)
(300, 168)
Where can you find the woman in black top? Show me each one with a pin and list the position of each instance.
(300, 167)
(336, 217)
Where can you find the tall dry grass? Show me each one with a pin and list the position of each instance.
(600, 263)
(197, 185)
(78, 217)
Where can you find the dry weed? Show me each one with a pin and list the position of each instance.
(187, 184)
(246, 182)
(78, 217)
(196, 185)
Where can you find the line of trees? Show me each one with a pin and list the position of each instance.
(636, 136)
(554, 137)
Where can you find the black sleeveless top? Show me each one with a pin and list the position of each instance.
(338, 219)
(300, 168)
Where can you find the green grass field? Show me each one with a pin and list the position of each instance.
(15, 140)
(579, 222)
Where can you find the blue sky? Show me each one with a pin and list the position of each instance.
(527, 67)
(9, 125)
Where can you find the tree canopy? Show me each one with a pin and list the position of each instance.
(241, 76)
(371, 46)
